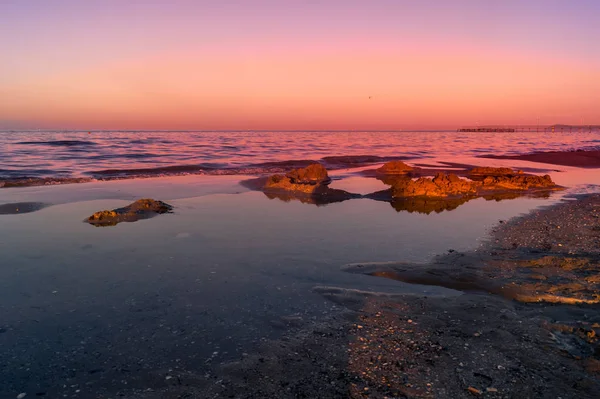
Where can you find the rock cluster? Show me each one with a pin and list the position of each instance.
(482, 181)
(140, 209)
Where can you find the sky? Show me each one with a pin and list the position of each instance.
(294, 65)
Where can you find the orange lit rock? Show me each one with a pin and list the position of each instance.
(442, 185)
(312, 174)
(394, 168)
(308, 185)
(518, 182)
(305, 180)
(140, 209)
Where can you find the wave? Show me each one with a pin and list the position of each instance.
(163, 170)
(256, 169)
(59, 143)
(359, 160)
(42, 181)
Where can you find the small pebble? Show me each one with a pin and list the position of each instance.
(21, 395)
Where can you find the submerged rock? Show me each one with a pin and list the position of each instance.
(442, 185)
(140, 209)
(394, 168)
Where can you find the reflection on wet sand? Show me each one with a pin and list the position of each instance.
(21, 207)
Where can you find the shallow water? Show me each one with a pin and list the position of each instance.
(115, 308)
(63, 156)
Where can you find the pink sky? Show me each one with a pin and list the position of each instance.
(264, 66)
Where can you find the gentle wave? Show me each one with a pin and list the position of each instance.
(58, 143)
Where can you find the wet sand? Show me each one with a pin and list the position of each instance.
(579, 158)
(480, 343)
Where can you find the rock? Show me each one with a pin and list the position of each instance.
(442, 185)
(308, 185)
(394, 168)
(489, 171)
(306, 180)
(312, 174)
(518, 182)
(140, 209)
(21, 395)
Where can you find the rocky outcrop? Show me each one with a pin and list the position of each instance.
(140, 209)
(312, 174)
(451, 186)
(394, 168)
(303, 180)
(442, 185)
(518, 182)
(309, 185)
(489, 171)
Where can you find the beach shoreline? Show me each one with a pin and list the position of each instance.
(377, 335)
(364, 165)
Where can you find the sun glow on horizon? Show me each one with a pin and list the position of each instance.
(379, 79)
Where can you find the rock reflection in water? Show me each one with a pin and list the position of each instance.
(320, 197)
(428, 205)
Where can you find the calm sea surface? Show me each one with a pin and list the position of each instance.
(62, 156)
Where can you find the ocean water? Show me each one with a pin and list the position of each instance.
(33, 158)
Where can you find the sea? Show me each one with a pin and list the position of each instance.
(54, 157)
